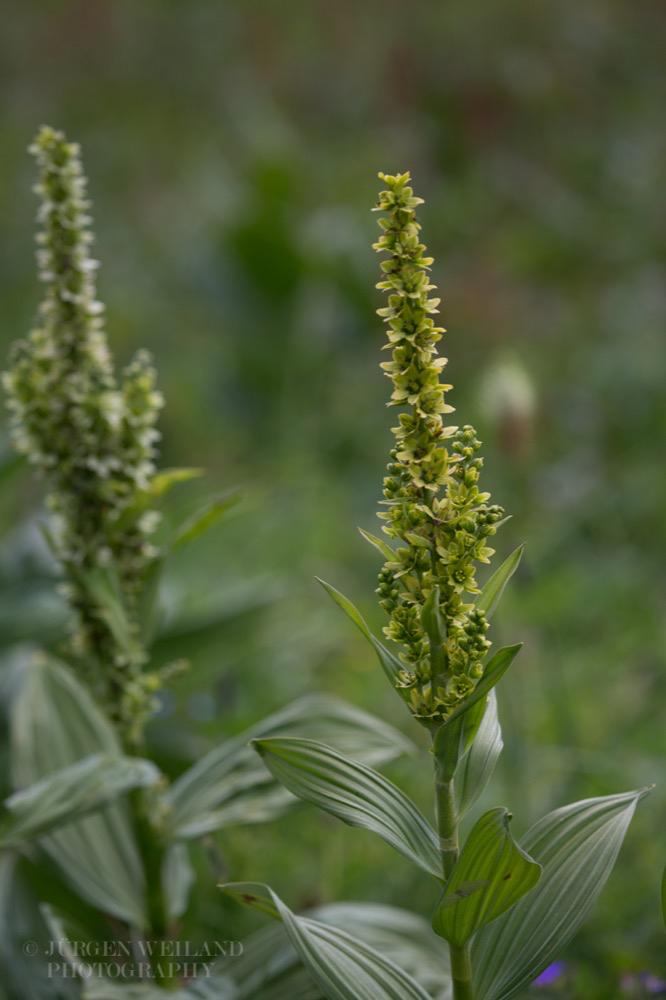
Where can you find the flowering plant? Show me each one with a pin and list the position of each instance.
(92, 823)
(505, 908)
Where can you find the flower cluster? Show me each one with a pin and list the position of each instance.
(94, 439)
(433, 503)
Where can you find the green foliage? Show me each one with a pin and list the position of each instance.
(342, 966)
(577, 847)
(490, 876)
(355, 794)
(230, 785)
(69, 794)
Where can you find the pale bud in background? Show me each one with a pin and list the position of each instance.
(508, 400)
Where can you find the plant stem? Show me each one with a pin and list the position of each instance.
(152, 853)
(461, 973)
(447, 822)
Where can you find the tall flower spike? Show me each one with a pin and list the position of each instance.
(433, 503)
(93, 439)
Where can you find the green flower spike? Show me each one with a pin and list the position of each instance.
(434, 506)
(94, 440)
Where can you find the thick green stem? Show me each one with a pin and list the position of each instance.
(461, 973)
(447, 822)
(152, 852)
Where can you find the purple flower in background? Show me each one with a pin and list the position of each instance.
(635, 984)
(654, 985)
(550, 974)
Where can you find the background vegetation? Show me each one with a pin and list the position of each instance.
(232, 151)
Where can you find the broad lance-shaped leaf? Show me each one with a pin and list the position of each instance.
(478, 763)
(55, 723)
(344, 967)
(355, 794)
(491, 593)
(69, 794)
(269, 968)
(490, 876)
(577, 847)
(230, 785)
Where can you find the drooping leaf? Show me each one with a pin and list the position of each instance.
(55, 724)
(478, 763)
(269, 968)
(230, 785)
(344, 967)
(69, 794)
(491, 593)
(577, 847)
(390, 663)
(490, 876)
(355, 794)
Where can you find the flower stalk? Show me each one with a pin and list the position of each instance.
(434, 508)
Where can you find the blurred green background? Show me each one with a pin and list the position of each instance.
(232, 151)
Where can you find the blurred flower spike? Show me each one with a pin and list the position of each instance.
(434, 507)
(93, 439)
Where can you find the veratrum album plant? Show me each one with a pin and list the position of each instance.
(502, 910)
(94, 840)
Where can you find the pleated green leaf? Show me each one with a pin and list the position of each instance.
(663, 897)
(269, 968)
(343, 966)
(577, 847)
(55, 724)
(355, 794)
(69, 794)
(491, 593)
(490, 876)
(477, 765)
(230, 785)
